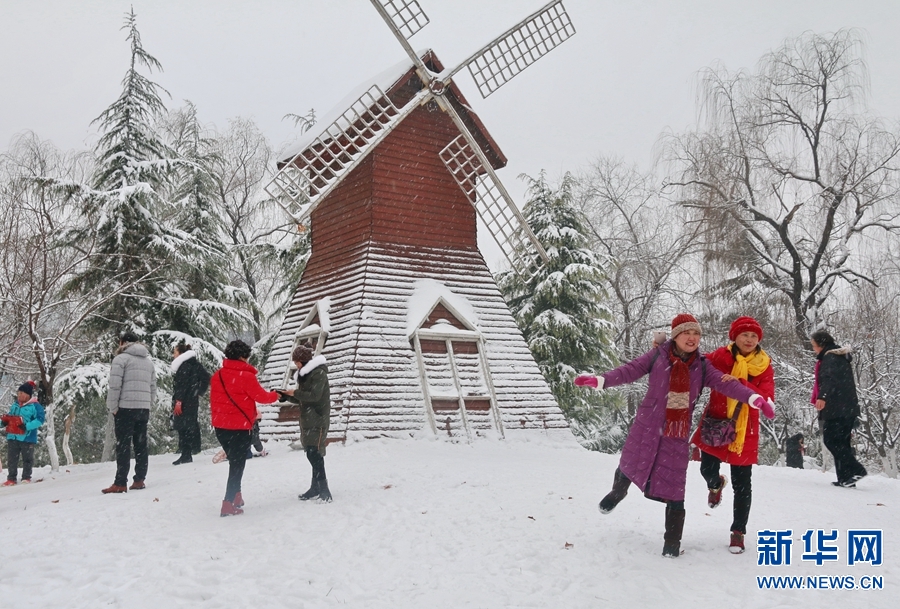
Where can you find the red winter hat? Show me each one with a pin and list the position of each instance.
(744, 324)
(684, 321)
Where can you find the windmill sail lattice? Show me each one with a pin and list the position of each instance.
(502, 60)
(307, 176)
(503, 220)
(408, 17)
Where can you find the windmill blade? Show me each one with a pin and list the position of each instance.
(401, 16)
(406, 16)
(500, 61)
(316, 170)
(486, 193)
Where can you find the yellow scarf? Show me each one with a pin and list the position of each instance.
(744, 367)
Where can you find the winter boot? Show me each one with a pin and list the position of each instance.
(715, 494)
(737, 543)
(238, 500)
(313, 491)
(183, 459)
(674, 529)
(618, 492)
(230, 509)
(137, 485)
(115, 488)
(324, 493)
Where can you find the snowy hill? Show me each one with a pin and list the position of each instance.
(422, 523)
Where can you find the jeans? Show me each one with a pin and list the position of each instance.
(741, 483)
(131, 428)
(836, 434)
(14, 449)
(236, 443)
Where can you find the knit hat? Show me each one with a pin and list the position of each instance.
(683, 322)
(302, 354)
(745, 324)
(28, 387)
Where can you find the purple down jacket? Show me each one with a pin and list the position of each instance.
(658, 465)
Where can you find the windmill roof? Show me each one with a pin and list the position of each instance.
(389, 81)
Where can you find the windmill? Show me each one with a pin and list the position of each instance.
(395, 291)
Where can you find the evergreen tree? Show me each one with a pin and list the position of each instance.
(199, 301)
(126, 209)
(560, 311)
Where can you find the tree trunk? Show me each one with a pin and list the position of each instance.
(50, 438)
(109, 441)
(70, 421)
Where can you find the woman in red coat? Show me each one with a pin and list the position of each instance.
(234, 393)
(744, 360)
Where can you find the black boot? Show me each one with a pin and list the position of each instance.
(618, 492)
(324, 493)
(313, 491)
(674, 529)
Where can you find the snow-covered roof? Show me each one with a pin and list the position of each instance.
(385, 292)
(387, 81)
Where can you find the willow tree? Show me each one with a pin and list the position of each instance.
(791, 175)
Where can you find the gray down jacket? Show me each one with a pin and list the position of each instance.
(132, 379)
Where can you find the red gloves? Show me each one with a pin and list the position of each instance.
(767, 407)
(589, 380)
(178, 408)
(14, 424)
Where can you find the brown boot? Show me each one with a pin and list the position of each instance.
(238, 500)
(115, 488)
(674, 529)
(137, 485)
(229, 509)
(618, 492)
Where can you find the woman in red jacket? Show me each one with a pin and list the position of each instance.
(234, 393)
(744, 360)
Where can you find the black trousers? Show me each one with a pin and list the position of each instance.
(317, 461)
(740, 482)
(188, 435)
(836, 435)
(236, 443)
(14, 448)
(131, 429)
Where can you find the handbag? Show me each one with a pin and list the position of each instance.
(719, 432)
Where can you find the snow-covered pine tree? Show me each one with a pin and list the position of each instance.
(560, 311)
(126, 210)
(200, 301)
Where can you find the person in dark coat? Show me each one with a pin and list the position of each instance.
(834, 395)
(314, 396)
(234, 394)
(656, 453)
(191, 381)
(794, 451)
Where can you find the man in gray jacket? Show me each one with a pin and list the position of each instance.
(132, 389)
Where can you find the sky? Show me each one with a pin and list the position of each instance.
(429, 523)
(628, 75)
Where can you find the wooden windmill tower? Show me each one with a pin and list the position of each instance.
(396, 293)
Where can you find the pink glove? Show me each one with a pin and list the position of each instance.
(766, 406)
(589, 380)
(178, 408)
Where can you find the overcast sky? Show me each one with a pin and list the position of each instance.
(625, 77)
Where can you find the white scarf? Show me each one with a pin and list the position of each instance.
(176, 363)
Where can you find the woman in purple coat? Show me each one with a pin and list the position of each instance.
(656, 453)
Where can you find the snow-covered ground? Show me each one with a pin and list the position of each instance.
(421, 523)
